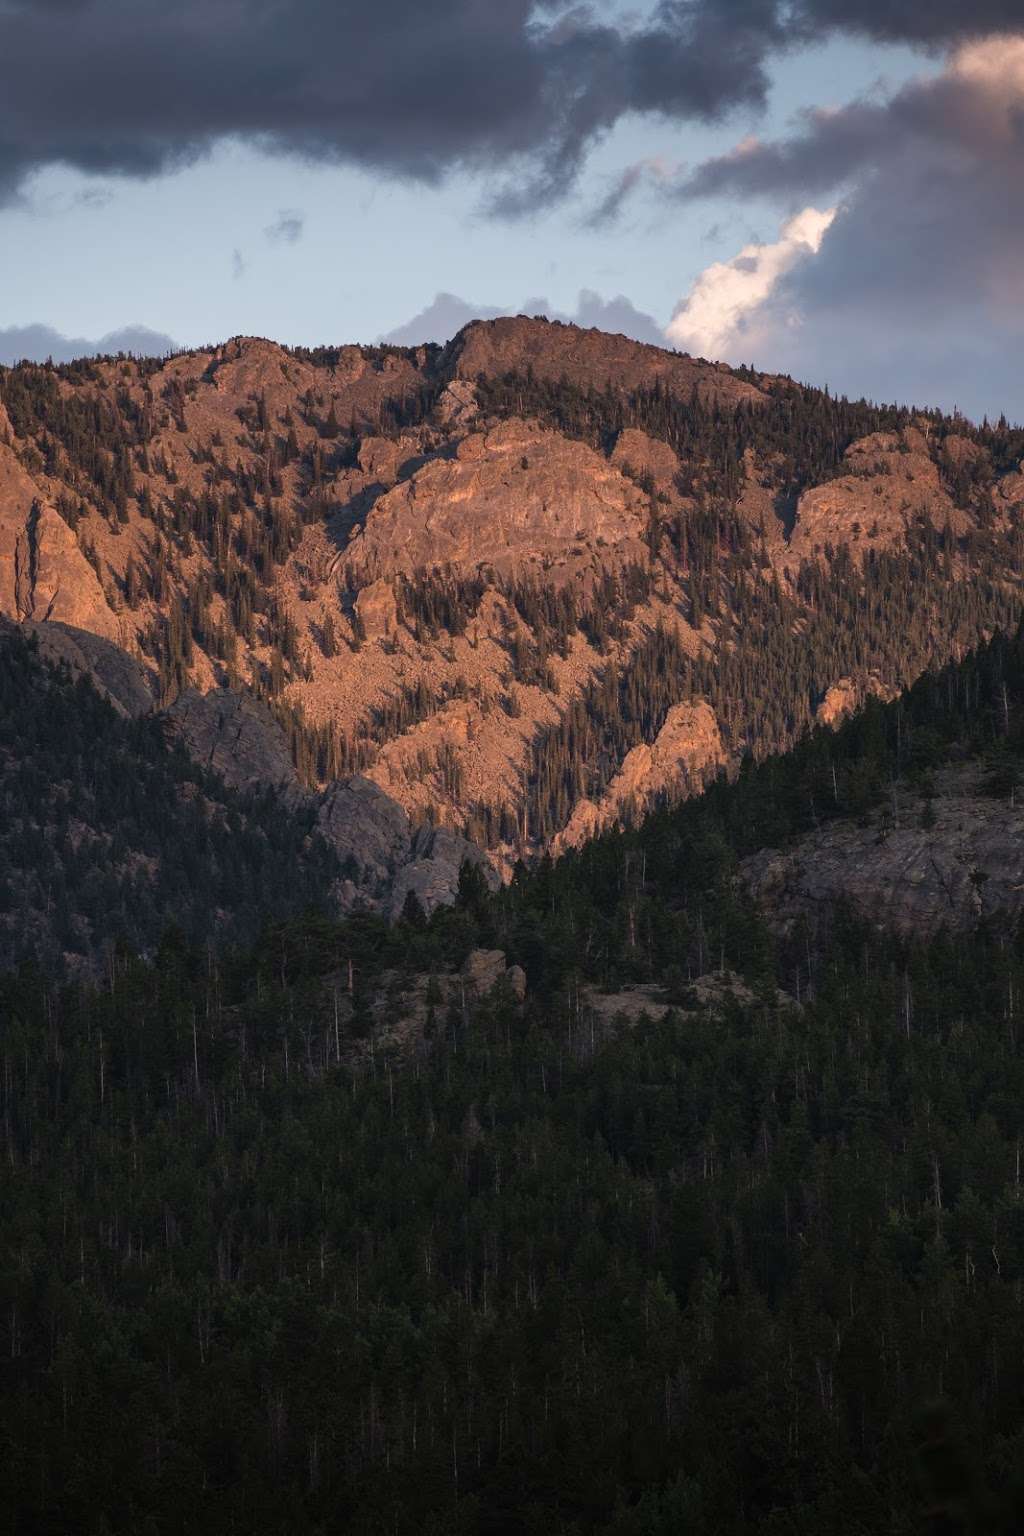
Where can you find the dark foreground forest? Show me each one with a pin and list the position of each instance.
(756, 1265)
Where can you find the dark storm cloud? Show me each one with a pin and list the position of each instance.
(975, 109)
(931, 183)
(906, 21)
(406, 87)
(831, 148)
(135, 87)
(650, 172)
(918, 287)
(36, 343)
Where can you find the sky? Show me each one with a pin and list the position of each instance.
(828, 188)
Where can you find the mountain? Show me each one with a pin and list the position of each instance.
(488, 599)
(612, 1202)
(111, 833)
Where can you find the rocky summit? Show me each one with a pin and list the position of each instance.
(483, 601)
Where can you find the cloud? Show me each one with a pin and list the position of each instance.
(904, 21)
(36, 343)
(918, 285)
(515, 89)
(136, 87)
(238, 264)
(711, 319)
(652, 171)
(615, 315)
(442, 319)
(972, 108)
(447, 314)
(287, 228)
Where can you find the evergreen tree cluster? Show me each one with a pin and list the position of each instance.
(108, 832)
(84, 436)
(753, 1268)
(776, 656)
(798, 433)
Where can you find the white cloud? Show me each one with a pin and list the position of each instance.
(727, 296)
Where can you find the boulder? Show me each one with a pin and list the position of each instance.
(236, 736)
(437, 857)
(367, 828)
(483, 969)
(516, 977)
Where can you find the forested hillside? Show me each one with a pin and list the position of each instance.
(528, 585)
(752, 1263)
(109, 832)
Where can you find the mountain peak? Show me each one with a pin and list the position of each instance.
(553, 349)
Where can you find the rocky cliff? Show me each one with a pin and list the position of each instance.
(496, 596)
(913, 866)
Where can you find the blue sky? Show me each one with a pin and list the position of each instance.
(302, 248)
(88, 255)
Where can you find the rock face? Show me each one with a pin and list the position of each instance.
(758, 506)
(377, 610)
(635, 452)
(18, 495)
(511, 498)
(53, 580)
(433, 586)
(589, 358)
(687, 751)
(235, 736)
(458, 403)
(241, 741)
(116, 675)
(432, 874)
(847, 695)
(388, 858)
(367, 827)
(42, 578)
(903, 875)
(892, 483)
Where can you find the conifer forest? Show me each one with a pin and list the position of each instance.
(749, 1262)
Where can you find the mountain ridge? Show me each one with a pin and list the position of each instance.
(481, 576)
